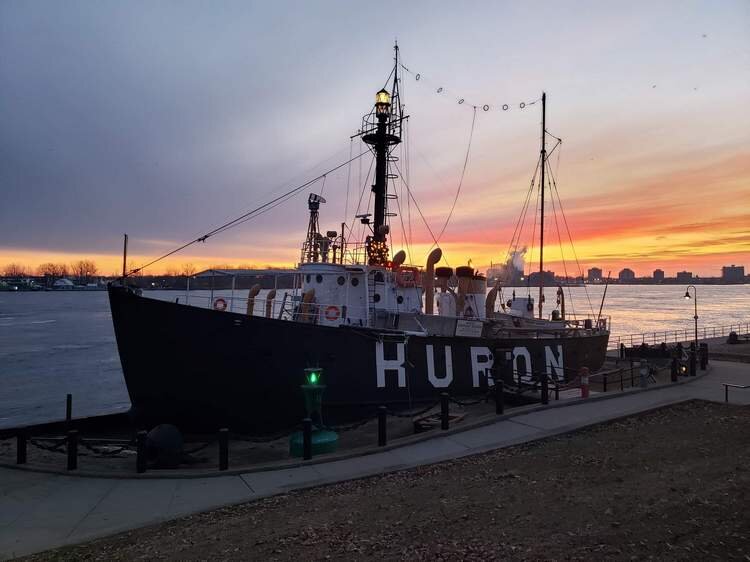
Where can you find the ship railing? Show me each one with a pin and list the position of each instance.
(686, 334)
(289, 307)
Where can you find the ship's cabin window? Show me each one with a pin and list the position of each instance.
(341, 280)
(307, 278)
(379, 277)
(319, 278)
(376, 297)
(355, 281)
(399, 299)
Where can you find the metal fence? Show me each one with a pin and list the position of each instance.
(674, 336)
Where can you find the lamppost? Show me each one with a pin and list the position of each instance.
(695, 302)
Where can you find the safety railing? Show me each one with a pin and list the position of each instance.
(678, 335)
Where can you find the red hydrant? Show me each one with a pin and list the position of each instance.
(584, 382)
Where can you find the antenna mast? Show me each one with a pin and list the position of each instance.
(542, 186)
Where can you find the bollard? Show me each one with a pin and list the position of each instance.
(692, 363)
(444, 421)
(622, 351)
(140, 458)
(382, 437)
(545, 389)
(604, 382)
(703, 347)
(223, 448)
(631, 373)
(622, 385)
(21, 448)
(499, 405)
(307, 439)
(643, 372)
(557, 388)
(673, 370)
(72, 449)
(584, 382)
(68, 410)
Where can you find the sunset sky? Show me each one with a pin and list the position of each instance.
(164, 119)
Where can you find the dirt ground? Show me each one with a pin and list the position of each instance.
(667, 485)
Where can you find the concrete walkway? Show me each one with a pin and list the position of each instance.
(42, 511)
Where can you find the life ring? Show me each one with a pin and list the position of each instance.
(220, 304)
(332, 313)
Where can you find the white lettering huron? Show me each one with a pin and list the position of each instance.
(382, 364)
(448, 378)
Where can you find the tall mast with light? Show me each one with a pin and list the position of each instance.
(543, 158)
(381, 130)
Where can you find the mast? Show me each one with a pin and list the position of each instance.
(382, 130)
(543, 158)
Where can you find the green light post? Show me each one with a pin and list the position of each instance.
(323, 440)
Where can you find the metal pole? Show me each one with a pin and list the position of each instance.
(21, 448)
(140, 459)
(499, 406)
(545, 389)
(307, 439)
(124, 259)
(543, 158)
(444, 411)
(223, 448)
(68, 410)
(72, 449)
(382, 428)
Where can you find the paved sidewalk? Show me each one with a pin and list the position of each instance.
(41, 511)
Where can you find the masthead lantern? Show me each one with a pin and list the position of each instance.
(383, 102)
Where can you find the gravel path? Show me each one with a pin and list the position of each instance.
(668, 485)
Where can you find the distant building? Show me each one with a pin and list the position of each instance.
(549, 278)
(658, 276)
(626, 275)
(733, 273)
(595, 275)
(684, 276)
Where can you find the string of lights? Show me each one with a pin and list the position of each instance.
(462, 100)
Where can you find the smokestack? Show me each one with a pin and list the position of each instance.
(254, 290)
(269, 302)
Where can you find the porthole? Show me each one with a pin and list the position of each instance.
(400, 299)
(376, 297)
(319, 278)
(307, 278)
(379, 277)
(355, 281)
(341, 280)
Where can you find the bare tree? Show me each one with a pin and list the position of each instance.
(84, 270)
(188, 270)
(172, 272)
(14, 270)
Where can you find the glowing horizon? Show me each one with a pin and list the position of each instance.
(126, 132)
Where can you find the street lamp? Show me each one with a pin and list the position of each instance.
(695, 302)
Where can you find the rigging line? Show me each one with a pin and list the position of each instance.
(361, 195)
(461, 180)
(562, 252)
(348, 182)
(404, 238)
(322, 187)
(424, 220)
(245, 216)
(521, 215)
(533, 236)
(572, 246)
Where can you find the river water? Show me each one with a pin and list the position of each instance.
(54, 343)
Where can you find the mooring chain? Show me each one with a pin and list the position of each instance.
(53, 448)
(470, 402)
(412, 414)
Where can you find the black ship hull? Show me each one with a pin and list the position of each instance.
(204, 369)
